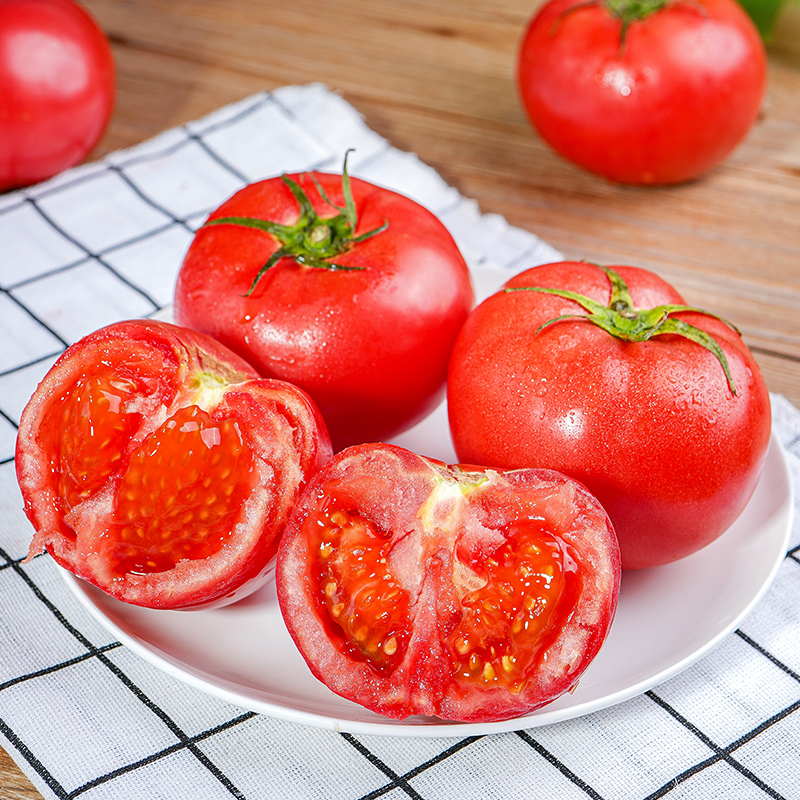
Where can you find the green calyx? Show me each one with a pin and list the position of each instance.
(313, 241)
(623, 321)
(629, 11)
(626, 11)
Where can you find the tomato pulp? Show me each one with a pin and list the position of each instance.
(413, 587)
(156, 465)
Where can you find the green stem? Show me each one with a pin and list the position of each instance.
(620, 319)
(312, 241)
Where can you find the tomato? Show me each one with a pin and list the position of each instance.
(413, 587)
(57, 88)
(156, 465)
(669, 442)
(358, 303)
(642, 93)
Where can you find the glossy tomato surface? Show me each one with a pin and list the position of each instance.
(156, 465)
(660, 100)
(57, 88)
(651, 428)
(412, 587)
(370, 343)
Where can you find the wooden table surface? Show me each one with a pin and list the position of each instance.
(437, 77)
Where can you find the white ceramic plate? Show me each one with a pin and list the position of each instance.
(667, 618)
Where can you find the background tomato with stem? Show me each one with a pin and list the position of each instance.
(642, 91)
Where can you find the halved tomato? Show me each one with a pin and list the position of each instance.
(413, 587)
(156, 465)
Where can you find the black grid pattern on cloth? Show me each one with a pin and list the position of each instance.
(84, 717)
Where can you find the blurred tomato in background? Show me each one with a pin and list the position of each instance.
(57, 85)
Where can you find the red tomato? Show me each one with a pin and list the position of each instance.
(412, 587)
(56, 88)
(155, 464)
(651, 427)
(657, 99)
(364, 325)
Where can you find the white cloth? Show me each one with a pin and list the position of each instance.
(86, 717)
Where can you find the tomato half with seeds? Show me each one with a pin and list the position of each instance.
(156, 465)
(413, 587)
(348, 290)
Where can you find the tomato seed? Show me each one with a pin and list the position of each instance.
(462, 646)
(390, 646)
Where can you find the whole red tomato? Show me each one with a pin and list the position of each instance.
(56, 88)
(412, 587)
(360, 297)
(642, 93)
(155, 464)
(669, 443)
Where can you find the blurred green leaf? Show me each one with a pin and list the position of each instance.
(763, 13)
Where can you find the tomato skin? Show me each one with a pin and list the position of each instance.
(57, 86)
(441, 527)
(650, 428)
(665, 107)
(157, 377)
(370, 346)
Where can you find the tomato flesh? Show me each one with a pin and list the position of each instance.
(93, 411)
(181, 492)
(364, 601)
(531, 587)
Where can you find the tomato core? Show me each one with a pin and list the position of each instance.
(364, 602)
(531, 586)
(180, 493)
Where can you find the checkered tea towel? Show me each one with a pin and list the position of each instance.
(86, 716)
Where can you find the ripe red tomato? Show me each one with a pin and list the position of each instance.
(412, 587)
(360, 304)
(655, 99)
(56, 88)
(155, 464)
(650, 426)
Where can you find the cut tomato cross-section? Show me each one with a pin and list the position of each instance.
(412, 587)
(155, 464)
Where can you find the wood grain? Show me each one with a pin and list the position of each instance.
(437, 77)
